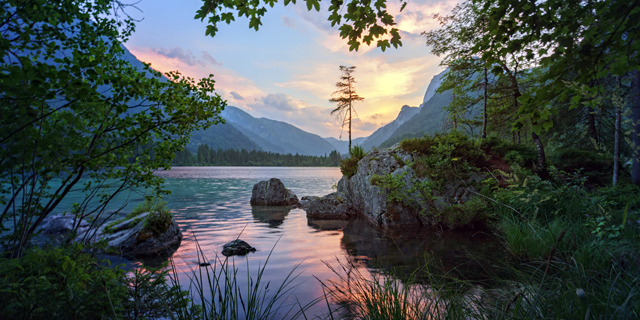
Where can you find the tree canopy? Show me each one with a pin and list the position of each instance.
(76, 115)
(359, 21)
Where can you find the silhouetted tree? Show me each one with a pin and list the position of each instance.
(346, 97)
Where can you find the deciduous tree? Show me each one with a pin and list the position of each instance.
(75, 115)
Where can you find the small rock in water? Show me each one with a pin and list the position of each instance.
(237, 247)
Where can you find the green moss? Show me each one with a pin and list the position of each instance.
(398, 160)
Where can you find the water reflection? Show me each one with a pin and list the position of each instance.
(327, 225)
(458, 254)
(212, 208)
(272, 216)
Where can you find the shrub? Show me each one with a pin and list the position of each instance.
(514, 154)
(349, 166)
(594, 164)
(60, 283)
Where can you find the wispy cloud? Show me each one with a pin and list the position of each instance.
(228, 81)
(289, 22)
(187, 57)
(418, 17)
(236, 95)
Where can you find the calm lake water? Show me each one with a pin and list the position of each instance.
(211, 204)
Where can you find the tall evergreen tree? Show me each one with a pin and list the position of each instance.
(346, 97)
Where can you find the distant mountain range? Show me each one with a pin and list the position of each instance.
(243, 131)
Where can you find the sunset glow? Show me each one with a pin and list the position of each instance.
(288, 69)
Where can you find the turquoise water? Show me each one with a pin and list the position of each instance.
(211, 204)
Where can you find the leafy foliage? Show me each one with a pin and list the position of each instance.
(76, 115)
(349, 166)
(359, 21)
(60, 283)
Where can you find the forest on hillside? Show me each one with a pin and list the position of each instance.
(207, 156)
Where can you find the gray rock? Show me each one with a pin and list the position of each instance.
(334, 206)
(237, 248)
(128, 237)
(59, 224)
(305, 201)
(371, 201)
(272, 192)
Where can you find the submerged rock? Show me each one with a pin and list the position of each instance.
(334, 206)
(237, 248)
(272, 192)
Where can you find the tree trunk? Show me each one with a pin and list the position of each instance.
(349, 128)
(616, 141)
(484, 112)
(635, 117)
(591, 127)
(540, 149)
(616, 146)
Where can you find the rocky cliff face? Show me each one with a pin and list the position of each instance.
(400, 201)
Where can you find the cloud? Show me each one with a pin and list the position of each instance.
(236, 95)
(288, 22)
(375, 116)
(227, 80)
(208, 58)
(418, 17)
(363, 125)
(280, 101)
(188, 57)
(317, 19)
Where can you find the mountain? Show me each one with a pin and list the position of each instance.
(431, 118)
(221, 136)
(428, 120)
(343, 145)
(277, 136)
(383, 133)
(433, 86)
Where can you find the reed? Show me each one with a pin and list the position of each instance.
(217, 293)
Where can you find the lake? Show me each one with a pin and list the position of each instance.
(211, 204)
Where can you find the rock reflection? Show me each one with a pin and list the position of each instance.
(465, 255)
(158, 259)
(327, 225)
(272, 215)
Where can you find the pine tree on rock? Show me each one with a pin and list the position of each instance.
(345, 97)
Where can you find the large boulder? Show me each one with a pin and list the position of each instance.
(334, 206)
(129, 237)
(372, 201)
(272, 192)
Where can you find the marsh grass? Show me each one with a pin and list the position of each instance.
(217, 292)
(365, 294)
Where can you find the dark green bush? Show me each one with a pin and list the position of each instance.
(60, 283)
(522, 155)
(349, 166)
(596, 165)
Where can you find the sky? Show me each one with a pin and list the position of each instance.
(287, 70)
